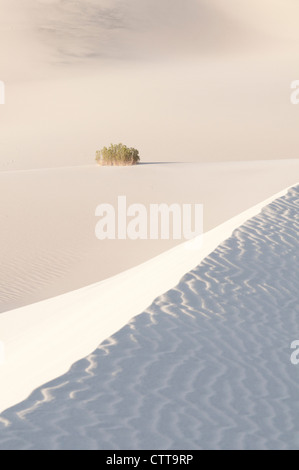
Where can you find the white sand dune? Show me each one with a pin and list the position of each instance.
(47, 238)
(44, 339)
(207, 365)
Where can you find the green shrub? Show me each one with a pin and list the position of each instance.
(118, 154)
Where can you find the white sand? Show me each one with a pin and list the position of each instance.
(205, 366)
(44, 339)
(47, 239)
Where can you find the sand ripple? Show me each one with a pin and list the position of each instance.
(206, 366)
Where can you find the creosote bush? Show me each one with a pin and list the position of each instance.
(118, 154)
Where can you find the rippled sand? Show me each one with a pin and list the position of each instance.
(207, 365)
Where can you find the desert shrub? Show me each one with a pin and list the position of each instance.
(118, 154)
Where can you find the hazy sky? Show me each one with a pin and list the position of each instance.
(132, 28)
(38, 33)
(67, 31)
